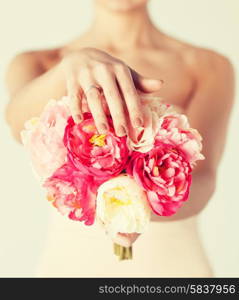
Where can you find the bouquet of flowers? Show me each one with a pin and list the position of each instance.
(118, 180)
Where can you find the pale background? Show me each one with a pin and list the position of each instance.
(31, 24)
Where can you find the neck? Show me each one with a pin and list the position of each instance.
(122, 30)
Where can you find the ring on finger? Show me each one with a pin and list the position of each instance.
(93, 86)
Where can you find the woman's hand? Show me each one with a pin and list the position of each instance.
(91, 72)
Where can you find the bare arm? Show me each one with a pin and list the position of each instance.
(209, 112)
(30, 88)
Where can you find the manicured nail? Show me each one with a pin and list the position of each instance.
(121, 131)
(138, 122)
(104, 128)
(78, 118)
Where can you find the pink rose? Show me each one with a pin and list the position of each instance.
(72, 193)
(165, 175)
(102, 156)
(43, 138)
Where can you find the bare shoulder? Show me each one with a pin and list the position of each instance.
(212, 72)
(26, 60)
(36, 58)
(28, 65)
(209, 63)
(201, 61)
(214, 78)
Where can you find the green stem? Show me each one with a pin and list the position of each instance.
(123, 252)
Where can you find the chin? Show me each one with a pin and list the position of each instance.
(122, 5)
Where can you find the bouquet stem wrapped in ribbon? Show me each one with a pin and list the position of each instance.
(118, 180)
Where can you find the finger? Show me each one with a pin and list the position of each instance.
(130, 94)
(93, 96)
(93, 99)
(73, 91)
(115, 103)
(105, 105)
(134, 133)
(147, 85)
(85, 107)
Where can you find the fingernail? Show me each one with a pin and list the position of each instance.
(104, 128)
(121, 131)
(78, 118)
(138, 122)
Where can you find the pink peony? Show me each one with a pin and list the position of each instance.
(175, 130)
(102, 156)
(142, 139)
(43, 138)
(72, 193)
(165, 174)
